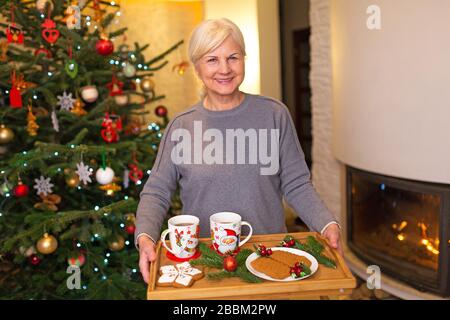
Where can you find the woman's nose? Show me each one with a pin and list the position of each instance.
(224, 67)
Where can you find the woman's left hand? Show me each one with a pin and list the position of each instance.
(333, 234)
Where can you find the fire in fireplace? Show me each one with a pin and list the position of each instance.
(402, 226)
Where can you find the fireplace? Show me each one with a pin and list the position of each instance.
(402, 226)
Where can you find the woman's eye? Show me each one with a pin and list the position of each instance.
(210, 60)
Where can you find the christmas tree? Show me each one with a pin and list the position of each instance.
(74, 150)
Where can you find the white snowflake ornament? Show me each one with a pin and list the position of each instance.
(43, 185)
(83, 173)
(65, 101)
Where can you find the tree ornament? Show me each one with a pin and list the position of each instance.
(130, 218)
(76, 260)
(55, 122)
(98, 12)
(48, 202)
(112, 125)
(72, 179)
(5, 187)
(65, 101)
(4, 50)
(47, 244)
(83, 173)
(115, 86)
(181, 67)
(14, 34)
(27, 252)
(117, 244)
(110, 188)
(43, 186)
(121, 99)
(32, 125)
(41, 5)
(71, 68)
(50, 33)
(130, 229)
(72, 16)
(6, 134)
(230, 264)
(104, 175)
(89, 93)
(129, 70)
(21, 190)
(161, 111)
(34, 259)
(126, 179)
(135, 173)
(147, 84)
(78, 108)
(43, 51)
(15, 97)
(104, 46)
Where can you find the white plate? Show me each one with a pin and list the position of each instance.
(254, 256)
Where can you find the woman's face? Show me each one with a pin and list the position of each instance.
(223, 69)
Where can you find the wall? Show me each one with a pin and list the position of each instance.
(391, 88)
(162, 24)
(258, 21)
(325, 168)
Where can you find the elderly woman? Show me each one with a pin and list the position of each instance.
(250, 182)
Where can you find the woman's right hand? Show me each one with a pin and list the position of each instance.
(147, 255)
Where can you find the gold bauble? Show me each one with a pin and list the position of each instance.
(130, 217)
(47, 244)
(147, 84)
(117, 244)
(72, 179)
(6, 134)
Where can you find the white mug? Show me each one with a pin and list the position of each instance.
(183, 235)
(226, 230)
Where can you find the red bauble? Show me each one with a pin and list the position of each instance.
(230, 263)
(104, 47)
(130, 229)
(161, 111)
(34, 259)
(21, 190)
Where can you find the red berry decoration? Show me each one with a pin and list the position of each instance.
(34, 259)
(104, 47)
(230, 264)
(161, 111)
(21, 190)
(130, 229)
(263, 251)
(288, 242)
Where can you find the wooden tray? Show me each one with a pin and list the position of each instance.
(325, 282)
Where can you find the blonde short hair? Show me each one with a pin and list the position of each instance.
(210, 34)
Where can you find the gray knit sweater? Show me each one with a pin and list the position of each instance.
(214, 175)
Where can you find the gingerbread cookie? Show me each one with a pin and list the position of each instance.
(181, 275)
(278, 264)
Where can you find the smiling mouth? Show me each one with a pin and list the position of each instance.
(224, 81)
